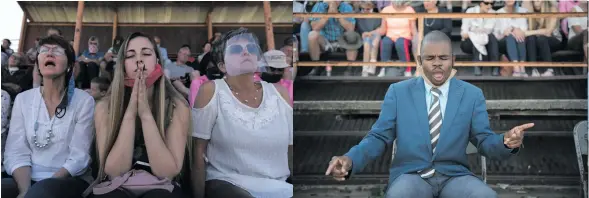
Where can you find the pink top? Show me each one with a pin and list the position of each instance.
(566, 6)
(194, 87)
(398, 27)
(285, 83)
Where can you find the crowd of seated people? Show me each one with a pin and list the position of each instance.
(483, 39)
(137, 108)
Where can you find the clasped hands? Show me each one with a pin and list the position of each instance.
(139, 103)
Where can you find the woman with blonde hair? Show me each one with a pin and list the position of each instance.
(543, 36)
(142, 127)
(243, 128)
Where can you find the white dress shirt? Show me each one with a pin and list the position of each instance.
(71, 141)
(445, 88)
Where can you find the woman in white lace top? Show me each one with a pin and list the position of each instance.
(243, 129)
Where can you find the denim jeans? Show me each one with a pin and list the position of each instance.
(402, 47)
(411, 185)
(515, 51)
(305, 29)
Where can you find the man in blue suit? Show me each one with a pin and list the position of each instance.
(433, 118)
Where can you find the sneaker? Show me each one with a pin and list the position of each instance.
(516, 74)
(535, 73)
(523, 74)
(408, 74)
(477, 71)
(548, 73)
(328, 73)
(382, 72)
(364, 74)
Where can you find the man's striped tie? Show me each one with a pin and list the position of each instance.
(435, 125)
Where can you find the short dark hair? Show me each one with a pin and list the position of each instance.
(7, 40)
(289, 41)
(103, 83)
(185, 46)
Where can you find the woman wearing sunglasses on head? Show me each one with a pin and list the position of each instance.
(477, 37)
(142, 127)
(243, 128)
(51, 130)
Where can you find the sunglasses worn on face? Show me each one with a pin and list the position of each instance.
(238, 49)
(56, 51)
(93, 43)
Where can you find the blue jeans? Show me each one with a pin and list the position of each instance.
(305, 29)
(467, 186)
(402, 47)
(515, 51)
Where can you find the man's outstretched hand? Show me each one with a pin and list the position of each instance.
(514, 138)
(339, 167)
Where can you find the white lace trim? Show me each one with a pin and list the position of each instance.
(252, 118)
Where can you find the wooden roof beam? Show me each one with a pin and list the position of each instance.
(25, 11)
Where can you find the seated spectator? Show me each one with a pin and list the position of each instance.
(179, 73)
(442, 25)
(113, 52)
(327, 31)
(543, 37)
(5, 112)
(141, 128)
(566, 6)
(368, 28)
(51, 131)
(206, 48)
(163, 51)
(55, 31)
(477, 37)
(578, 30)
(99, 87)
(274, 71)
(32, 53)
(511, 35)
(6, 47)
(398, 34)
(231, 142)
(89, 61)
(15, 77)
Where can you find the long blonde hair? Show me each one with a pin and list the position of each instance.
(164, 101)
(539, 23)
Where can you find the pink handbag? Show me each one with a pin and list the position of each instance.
(136, 181)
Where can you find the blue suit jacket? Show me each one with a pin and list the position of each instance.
(404, 117)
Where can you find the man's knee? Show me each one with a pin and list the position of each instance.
(484, 192)
(314, 35)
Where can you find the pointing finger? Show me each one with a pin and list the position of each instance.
(526, 126)
(332, 165)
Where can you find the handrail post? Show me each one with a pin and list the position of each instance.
(78, 30)
(268, 24)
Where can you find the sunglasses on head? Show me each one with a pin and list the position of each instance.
(487, 3)
(238, 49)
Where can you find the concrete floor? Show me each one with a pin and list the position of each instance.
(376, 191)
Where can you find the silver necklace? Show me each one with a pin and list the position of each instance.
(49, 133)
(237, 94)
(433, 21)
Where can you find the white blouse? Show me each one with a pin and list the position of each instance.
(503, 23)
(70, 144)
(248, 147)
(5, 112)
(478, 25)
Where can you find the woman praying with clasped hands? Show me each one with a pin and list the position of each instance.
(141, 127)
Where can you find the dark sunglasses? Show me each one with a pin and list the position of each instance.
(274, 70)
(238, 49)
(487, 3)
